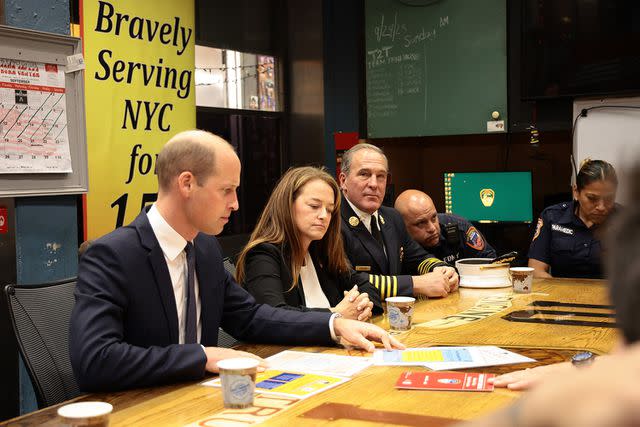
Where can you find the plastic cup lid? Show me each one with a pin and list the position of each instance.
(237, 363)
(399, 299)
(85, 409)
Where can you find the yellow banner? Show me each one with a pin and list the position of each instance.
(139, 92)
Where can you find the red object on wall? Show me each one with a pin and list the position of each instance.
(4, 221)
(343, 141)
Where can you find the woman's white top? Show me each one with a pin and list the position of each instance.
(313, 294)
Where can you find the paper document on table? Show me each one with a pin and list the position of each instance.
(318, 363)
(447, 358)
(290, 384)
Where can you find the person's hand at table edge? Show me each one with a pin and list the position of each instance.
(358, 334)
(528, 378)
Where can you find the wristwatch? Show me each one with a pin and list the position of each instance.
(582, 359)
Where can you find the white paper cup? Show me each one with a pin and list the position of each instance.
(238, 378)
(521, 279)
(89, 414)
(400, 312)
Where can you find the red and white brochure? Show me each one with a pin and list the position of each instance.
(451, 381)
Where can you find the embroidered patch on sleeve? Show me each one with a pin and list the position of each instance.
(474, 239)
(538, 228)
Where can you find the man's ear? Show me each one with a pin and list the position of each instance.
(574, 191)
(341, 178)
(186, 183)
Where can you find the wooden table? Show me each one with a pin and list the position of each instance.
(371, 395)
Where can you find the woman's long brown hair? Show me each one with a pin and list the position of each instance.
(276, 225)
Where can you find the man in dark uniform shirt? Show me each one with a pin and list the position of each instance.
(566, 244)
(375, 238)
(448, 237)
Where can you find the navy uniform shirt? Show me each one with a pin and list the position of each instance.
(464, 241)
(564, 242)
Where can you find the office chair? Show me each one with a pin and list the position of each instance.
(40, 317)
(229, 266)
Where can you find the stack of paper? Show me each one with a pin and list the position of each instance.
(299, 374)
(318, 363)
(449, 358)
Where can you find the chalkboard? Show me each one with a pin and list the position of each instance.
(435, 67)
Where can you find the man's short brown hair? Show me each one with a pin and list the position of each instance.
(193, 151)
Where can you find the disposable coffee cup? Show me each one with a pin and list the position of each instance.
(521, 279)
(238, 378)
(400, 312)
(87, 414)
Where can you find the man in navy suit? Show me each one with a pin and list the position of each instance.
(151, 296)
(375, 238)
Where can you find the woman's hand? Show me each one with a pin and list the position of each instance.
(354, 305)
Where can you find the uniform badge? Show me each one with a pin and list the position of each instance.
(538, 228)
(401, 253)
(474, 239)
(353, 221)
(363, 268)
(381, 219)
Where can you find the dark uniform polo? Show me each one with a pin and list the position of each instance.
(460, 239)
(564, 242)
(391, 272)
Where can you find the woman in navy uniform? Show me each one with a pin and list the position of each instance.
(566, 242)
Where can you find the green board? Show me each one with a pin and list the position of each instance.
(489, 196)
(436, 69)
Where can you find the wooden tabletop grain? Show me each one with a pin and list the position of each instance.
(370, 396)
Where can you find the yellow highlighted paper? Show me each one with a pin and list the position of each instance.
(422, 356)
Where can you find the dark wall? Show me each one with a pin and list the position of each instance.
(421, 163)
(305, 83)
(242, 25)
(547, 115)
(343, 67)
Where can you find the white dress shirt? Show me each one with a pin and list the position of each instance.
(314, 296)
(172, 245)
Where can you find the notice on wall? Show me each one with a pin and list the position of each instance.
(33, 118)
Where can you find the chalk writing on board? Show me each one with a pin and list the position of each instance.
(406, 51)
(439, 67)
(389, 30)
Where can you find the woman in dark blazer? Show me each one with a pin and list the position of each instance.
(295, 257)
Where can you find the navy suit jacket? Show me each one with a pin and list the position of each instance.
(391, 274)
(124, 326)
